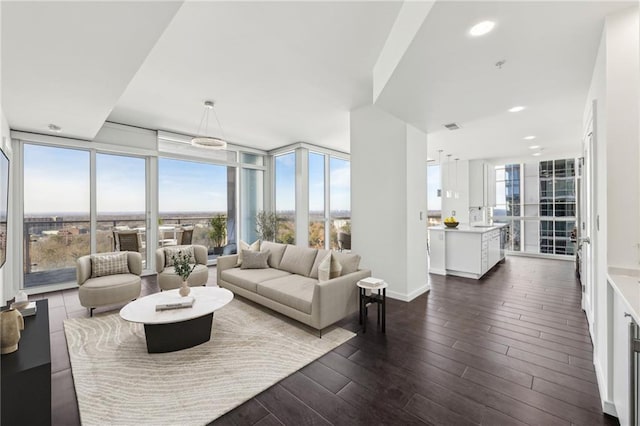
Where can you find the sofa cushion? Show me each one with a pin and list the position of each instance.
(105, 264)
(319, 258)
(294, 291)
(276, 250)
(329, 268)
(350, 262)
(170, 252)
(255, 246)
(249, 278)
(254, 259)
(298, 260)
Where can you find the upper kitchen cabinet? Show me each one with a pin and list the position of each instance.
(482, 184)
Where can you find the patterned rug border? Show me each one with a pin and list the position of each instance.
(254, 346)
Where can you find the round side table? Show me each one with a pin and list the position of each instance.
(367, 299)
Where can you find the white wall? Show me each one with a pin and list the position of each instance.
(615, 88)
(8, 287)
(388, 191)
(623, 189)
(416, 212)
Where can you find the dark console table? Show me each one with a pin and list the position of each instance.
(26, 374)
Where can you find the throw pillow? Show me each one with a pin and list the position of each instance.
(109, 264)
(255, 259)
(169, 252)
(329, 268)
(248, 247)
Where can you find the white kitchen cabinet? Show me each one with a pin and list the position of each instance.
(624, 309)
(466, 251)
(494, 247)
(620, 360)
(482, 184)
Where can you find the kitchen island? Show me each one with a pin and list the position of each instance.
(465, 251)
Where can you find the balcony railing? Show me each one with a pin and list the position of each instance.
(51, 247)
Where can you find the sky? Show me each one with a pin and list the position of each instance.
(340, 182)
(56, 180)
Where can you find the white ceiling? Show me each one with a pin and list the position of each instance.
(447, 76)
(67, 63)
(280, 72)
(284, 72)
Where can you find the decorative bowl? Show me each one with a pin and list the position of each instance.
(452, 224)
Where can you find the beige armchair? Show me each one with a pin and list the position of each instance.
(108, 289)
(167, 278)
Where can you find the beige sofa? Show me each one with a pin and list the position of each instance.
(290, 285)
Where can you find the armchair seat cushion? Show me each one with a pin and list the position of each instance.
(249, 278)
(293, 290)
(109, 290)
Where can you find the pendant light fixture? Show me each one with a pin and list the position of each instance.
(456, 194)
(202, 140)
(449, 192)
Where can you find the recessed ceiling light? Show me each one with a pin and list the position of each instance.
(516, 109)
(537, 154)
(54, 128)
(481, 28)
(529, 138)
(534, 147)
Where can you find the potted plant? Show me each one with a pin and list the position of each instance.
(183, 267)
(218, 233)
(266, 225)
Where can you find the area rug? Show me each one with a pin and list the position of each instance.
(118, 382)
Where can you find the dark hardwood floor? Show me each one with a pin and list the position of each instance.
(510, 349)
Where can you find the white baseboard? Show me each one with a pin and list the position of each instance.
(408, 297)
(437, 271)
(609, 407)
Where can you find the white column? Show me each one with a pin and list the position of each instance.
(302, 197)
(389, 200)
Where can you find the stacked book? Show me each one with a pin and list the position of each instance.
(26, 308)
(373, 282)
(177, 303)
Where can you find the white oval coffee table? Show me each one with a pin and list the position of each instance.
(176, 329)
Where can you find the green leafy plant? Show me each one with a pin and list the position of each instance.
(218, 232)
(266, 225)
(182, 265)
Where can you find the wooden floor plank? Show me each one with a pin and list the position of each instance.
(510, 349)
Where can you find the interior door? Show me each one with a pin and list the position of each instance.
(586, 228)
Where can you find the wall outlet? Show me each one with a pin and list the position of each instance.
(453, 212)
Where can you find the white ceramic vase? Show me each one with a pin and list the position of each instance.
(184, 289)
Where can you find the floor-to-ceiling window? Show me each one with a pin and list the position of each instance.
(192, 194)
(508, 203)
(339, 198)
(557, 206)
(120, 200)
(434, 196)
(316, 200)
(285, 196)
(56, 227)
(538, 202)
